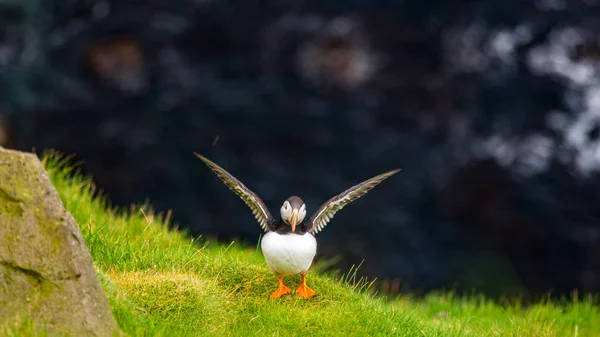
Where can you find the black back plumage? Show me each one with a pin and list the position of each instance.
(282, 227)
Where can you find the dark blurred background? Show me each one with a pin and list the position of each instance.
(491, 109)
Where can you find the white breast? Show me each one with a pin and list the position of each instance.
(288, 254)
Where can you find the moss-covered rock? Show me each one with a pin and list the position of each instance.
(46, 270)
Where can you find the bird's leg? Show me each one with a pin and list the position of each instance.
(303, 290)
(282, 290)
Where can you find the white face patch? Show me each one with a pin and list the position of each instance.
(286, 210)
(302, 213)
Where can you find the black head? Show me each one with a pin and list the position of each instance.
(293, 211)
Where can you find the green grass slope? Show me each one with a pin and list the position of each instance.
(162, 283)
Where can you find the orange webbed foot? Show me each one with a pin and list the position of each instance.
(303, 290)
(282, 290)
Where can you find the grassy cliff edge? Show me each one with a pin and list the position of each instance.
(162, 283)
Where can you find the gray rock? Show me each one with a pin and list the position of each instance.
(46, 270)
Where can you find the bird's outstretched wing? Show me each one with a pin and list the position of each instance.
(324, 214)
(258, 207)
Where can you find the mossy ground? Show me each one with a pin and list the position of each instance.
(162, 283)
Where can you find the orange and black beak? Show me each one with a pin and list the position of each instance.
(294, 220)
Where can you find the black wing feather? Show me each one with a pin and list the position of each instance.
(258, 207)
(326, 212)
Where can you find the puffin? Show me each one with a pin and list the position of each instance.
(289, 245)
